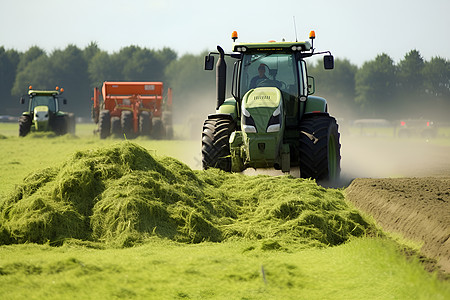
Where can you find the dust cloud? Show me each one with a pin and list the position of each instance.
(384, 157)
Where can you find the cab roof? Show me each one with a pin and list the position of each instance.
(43, 92)
(272, 46)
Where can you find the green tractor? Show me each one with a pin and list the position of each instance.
(272, 120)
(43, 113)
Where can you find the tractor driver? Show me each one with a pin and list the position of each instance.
(260, 77)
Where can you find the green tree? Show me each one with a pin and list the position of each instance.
(90, 51)
(139, 64)
(337, 86)
(69, 70)
(23, 78)
(375, 85)
(9, 61)
(411, 99)
(30, 55)
(37, 73)
(103, 68)
(166, 56)
(410, 73)
(436, 75)
(143, 65)
(194, 88)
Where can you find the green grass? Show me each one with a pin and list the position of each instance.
(20, 156)
(364, 268)
(144, 229)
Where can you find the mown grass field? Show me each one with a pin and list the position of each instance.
(253, 262)
(23, 155)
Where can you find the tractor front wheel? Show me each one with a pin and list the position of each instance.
(158, 130)
(71, 123)
(215, 143)
(116, 128)
(59, 125)
(167, 121)
(126, 120)
(320, 156)
(145, 124)
(24, 125)
(104, 123)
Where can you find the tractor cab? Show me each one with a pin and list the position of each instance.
(44, 100)
(48, 98)
(278, 70)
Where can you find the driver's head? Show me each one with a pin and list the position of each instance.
(261, 70)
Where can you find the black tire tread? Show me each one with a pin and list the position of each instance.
(126, 121)
(104, 123)
(314, 153)
(145, 125)
(24, 125)
(215, 144)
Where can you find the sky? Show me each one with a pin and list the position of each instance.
(357, 30)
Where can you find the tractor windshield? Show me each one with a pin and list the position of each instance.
(43, 100)
(265, 69)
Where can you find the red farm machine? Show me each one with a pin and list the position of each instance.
(132, 109)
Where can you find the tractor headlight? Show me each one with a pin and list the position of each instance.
(248, 124)
(241, 48)
(297, 48)
(274, 124)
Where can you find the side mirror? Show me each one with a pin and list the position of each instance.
(209, 62)
(311, 85)
(22, 100)
(64, 101)
(328, 62)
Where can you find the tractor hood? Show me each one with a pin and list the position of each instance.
(41, 117)
(262, 124)
(262, 110)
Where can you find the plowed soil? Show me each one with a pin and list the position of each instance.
(410, 197)
(416, 208)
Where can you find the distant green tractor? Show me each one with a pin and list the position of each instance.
(272, 121)
(43, 113)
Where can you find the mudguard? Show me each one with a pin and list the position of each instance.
(229, 107)
(316, 104)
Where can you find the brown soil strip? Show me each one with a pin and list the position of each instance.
(416, 208)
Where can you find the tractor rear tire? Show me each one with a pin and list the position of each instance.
(215, 143)
(158, 130)
(116, 128)
(126, 120)
(70, 121)
(167, 118)
(319, 155)
(24, 125)
(167, 121)
(104, 124)
(145, 124)
(169, 132)
(59, 125)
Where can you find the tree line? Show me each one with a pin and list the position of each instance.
(412, 88)
(380, 88)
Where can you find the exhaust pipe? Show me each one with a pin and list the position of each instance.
(221, 77)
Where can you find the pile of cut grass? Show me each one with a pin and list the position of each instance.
(121, 195)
